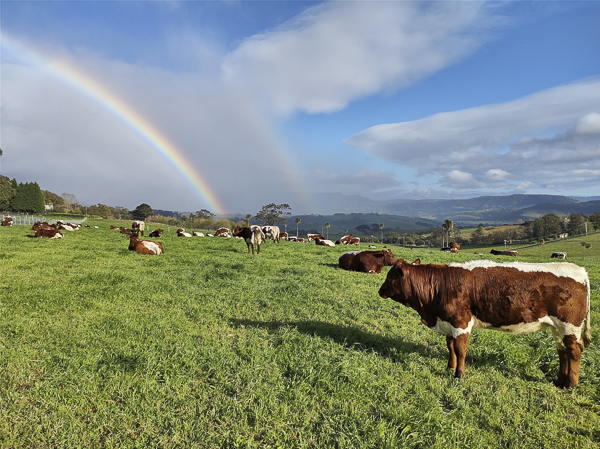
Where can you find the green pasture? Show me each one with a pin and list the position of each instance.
(207, 346)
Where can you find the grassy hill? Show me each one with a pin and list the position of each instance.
(207, 346)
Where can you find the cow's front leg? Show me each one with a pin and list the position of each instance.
(460, 348)
(452, 354)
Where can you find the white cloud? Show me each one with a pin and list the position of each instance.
(490, 142)
(337, 52)
(497, 175)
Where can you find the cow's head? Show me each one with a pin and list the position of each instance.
(397, 283)
(388, 258)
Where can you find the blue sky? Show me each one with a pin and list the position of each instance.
(274, 101)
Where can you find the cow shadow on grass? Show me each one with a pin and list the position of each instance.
(347, 336)
(396, 349)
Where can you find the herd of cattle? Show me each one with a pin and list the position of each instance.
(452, 299)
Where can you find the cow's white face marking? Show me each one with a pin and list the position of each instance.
(560, 269)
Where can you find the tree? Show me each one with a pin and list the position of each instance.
(7, 192)
(28, 198)
(327, 224)
(204, 214)
(381, 229)
(595, 220)
(272, 213)
(248, 217)
(298, 220)
(142, 211)
(447, 226)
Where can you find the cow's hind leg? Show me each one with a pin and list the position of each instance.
(573, 351)
(460, 348)
(569, 356)
(452, 354)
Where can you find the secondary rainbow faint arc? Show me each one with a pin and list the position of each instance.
(140, 125)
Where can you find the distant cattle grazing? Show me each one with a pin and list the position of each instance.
(49, 233)
(222, 232)
(503, 253)
(283, 235)
(272, 232)
(181, 233)
(252, 235)
(559, 255)
(156, 233)
(563, 235)
(514, 297)
(138, 226)
(366, 261)
(144, 246)
(8, 221)
(324, 242)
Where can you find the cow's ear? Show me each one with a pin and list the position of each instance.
(417, 262)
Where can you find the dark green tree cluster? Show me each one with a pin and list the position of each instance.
(142, 212)
(7, 192)
(21, 197)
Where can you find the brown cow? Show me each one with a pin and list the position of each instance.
(366, 261)
(156, 233)
(49, 233)
(144, 246)
(503, 253)
(8, 221)
(222, 232)
(252, 235)
(514, 297)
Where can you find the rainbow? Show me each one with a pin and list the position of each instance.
(124, 112)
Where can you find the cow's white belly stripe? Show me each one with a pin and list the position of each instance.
(559, 328)
(152, 247)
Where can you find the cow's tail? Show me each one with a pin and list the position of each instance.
(587, 326)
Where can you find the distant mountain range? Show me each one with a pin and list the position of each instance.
(487, 209)
(348, 212)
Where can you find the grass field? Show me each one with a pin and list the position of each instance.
(207, 346)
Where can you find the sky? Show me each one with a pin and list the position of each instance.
(231, 105)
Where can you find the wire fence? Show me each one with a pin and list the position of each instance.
(30, 220)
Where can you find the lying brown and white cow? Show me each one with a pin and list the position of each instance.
(324, 242)
(49, 233)
(181, 233)
(8, 221)
(144, 246)
(252, 235)
(366, 261)
(513, 297)
(504, 253)
(315, 237)
(222, 232)
(156, 233)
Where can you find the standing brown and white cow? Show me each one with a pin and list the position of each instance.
(138, 226)
(252, 235)
(513, 297)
